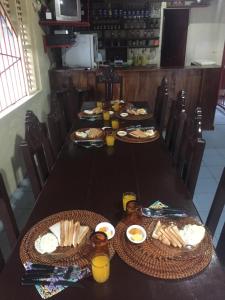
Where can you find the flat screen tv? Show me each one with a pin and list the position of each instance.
(67, 10)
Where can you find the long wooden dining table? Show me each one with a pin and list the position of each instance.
(95, 179)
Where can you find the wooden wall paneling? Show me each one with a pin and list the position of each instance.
(139, 84)
(208, 100)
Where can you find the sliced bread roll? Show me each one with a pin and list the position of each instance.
(82, 234)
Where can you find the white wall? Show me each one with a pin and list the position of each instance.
(12, 125)
(206, 33)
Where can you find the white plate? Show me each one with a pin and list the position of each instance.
(81, 134)
(88, 112)
(124, 115)
(121, 133)
(111, 112)
(109, 229)
(142, 232)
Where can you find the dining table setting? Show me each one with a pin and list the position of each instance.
(114, 220)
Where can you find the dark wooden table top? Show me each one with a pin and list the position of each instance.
(95, 179)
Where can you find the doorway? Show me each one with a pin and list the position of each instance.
(174, 37)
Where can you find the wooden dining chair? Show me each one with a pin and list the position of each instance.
(161, 104)
(37, 152)
(176, 125)
(56, 125)
(109, 79)
(215, 214)
(8, 219)
(191, 152)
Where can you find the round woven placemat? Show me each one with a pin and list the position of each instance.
(63, 256)
(129, 139)
(158, 260)
(133, 117)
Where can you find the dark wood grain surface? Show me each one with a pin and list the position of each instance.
(95, 179)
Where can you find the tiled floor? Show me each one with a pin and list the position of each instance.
(212, 165)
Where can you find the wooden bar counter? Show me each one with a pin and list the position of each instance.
(140, 84)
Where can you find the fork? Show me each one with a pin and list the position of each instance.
(163, 213)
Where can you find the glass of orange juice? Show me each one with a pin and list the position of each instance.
(106, 115)
(128, 196)
(99, 104)
(110, 139)
(100, 266)
(115, 124)
(116, 106)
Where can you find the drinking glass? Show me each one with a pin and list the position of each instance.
(99, 104)
(106, 115)
(128, 196)
(100, 265)
(116, 106)
(100, 261)
(133, 212)
(115, 124)
(110, 139)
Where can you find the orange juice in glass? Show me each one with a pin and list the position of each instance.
(100, 265)
(128, 196)
(99, 104)
(110, 139)
(116, 106)
(106, 115)
(115, 124)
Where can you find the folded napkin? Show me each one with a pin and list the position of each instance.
(54, 283)
(158, 205)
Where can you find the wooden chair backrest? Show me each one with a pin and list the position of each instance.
(176, 125)
(2, 261)
(56, 125)
(109, 78)
(8, 219)
(191, 152)
(220, 248)
(7, 216)
(37, 152)
(217, 205)
(161, 104)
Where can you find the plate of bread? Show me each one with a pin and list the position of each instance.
(94, 113)
(134, 113)
(61, 239)
(87, 134)
(138, 134)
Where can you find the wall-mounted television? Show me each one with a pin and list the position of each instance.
(67, 10)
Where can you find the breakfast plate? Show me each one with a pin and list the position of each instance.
(161, 259)
(87, 135)
(137, 134)
(41, 244)
(132, 113)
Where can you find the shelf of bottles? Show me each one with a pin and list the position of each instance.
(130, 27)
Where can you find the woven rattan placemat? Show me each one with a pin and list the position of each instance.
(158, 260)
(64, 256)
(129, 139)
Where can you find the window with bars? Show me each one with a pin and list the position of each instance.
(17, 76)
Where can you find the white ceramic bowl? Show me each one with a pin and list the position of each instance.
(142, 233)
(124, 115)
(121, 133)
(109, 229)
